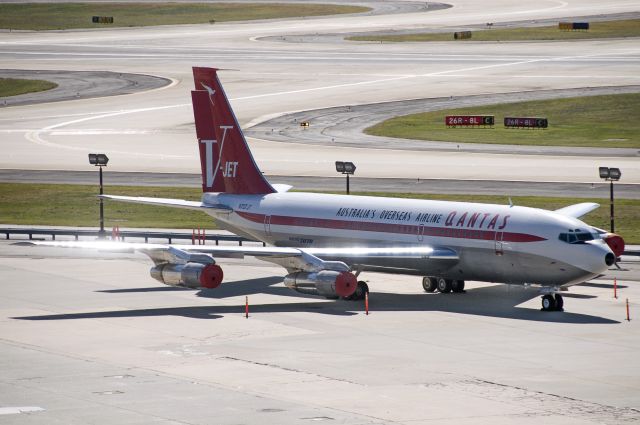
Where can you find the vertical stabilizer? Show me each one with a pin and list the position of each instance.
(227, 163)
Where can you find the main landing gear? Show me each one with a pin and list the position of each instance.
(552, 302)
(442, 285)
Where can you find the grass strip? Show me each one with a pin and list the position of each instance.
(604, 29)
(77, 205)
(16, 86)
(59, 16)
(595, 121)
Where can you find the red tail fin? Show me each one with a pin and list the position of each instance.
(227, 163)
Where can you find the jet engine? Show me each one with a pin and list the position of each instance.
(191, 275)
(327, 283)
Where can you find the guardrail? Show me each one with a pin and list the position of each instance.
(123, 234)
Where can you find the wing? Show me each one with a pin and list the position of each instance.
(418, 260)
(327, 272)
(578, 210)
(179, 203)
(390, 259)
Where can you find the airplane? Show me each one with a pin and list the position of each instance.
(326, 241)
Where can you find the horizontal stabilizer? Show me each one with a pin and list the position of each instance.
(282, 188)
(176, 203)
(578, 210)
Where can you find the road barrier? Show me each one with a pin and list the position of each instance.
(102, 19)
(123, 234)
(462, 35)
(469, 120)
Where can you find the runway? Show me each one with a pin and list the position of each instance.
(95, 340)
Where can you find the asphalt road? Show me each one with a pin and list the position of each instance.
(80, 85)
(597, 189)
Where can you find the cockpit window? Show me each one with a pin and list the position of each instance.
(576, 237)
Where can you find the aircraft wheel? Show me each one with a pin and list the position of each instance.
(444, 285)
(559, 302)
(548, 303)
(361, 290)
(457, 286)
(429, 284)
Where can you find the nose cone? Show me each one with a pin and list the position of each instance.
(596, 257)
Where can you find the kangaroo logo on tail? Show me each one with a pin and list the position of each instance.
(226, 161)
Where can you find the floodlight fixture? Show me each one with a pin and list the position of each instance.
(610, 175)
(100, 160)
(346, 168)
(615, 174)
(349, 168)
(604, 172)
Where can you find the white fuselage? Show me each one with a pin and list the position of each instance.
(495, 243)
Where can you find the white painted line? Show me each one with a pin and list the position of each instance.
(98, 132)
(18, 410)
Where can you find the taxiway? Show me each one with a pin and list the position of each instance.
(153, 131)
(94, 339)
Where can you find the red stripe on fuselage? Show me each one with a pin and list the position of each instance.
(403, 229)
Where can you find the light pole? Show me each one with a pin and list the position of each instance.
(100, 160)
(346, 168)
(611, 175)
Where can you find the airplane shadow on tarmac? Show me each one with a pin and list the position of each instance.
(493, 301)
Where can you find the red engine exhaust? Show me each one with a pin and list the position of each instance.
(211, 276)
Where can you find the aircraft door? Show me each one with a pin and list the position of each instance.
(499, 243)
(421, 232)
(267, 224)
